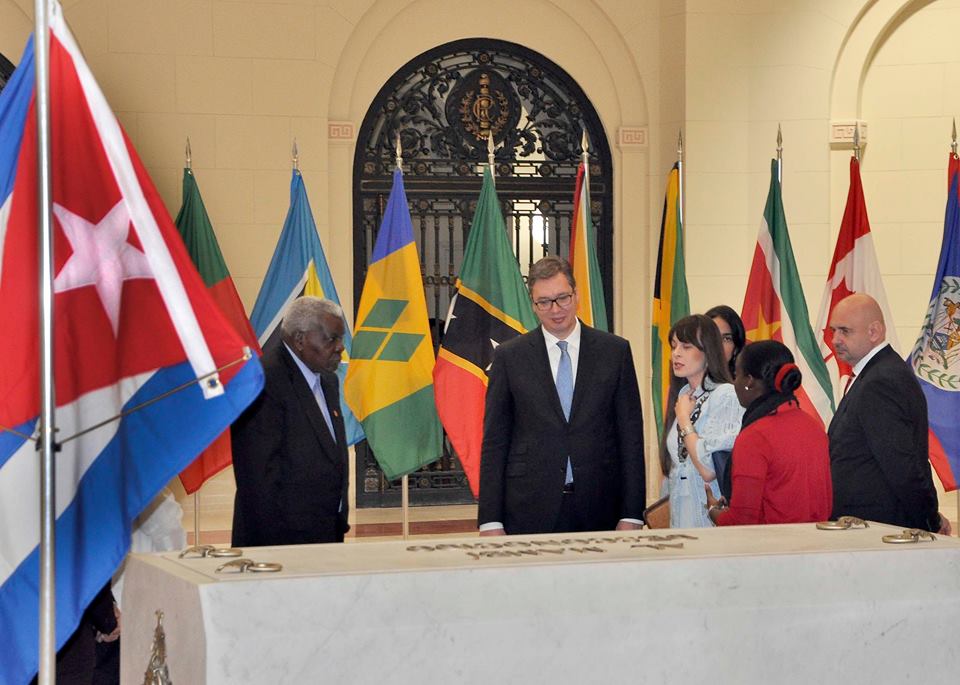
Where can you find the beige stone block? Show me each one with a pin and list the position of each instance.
(311, 136)
(713, 250)
(904, 90)
(228, 195)
(253, 142)
(888, 243)
(709, 291)
(16, 25)
(805, 146)
(884, 149)
(164, 139)
(926, 142)
(86, 22)
(926, 36)
(128, 122)
(950, 90)
(920, 248)
(282, 31)
(673, 42)
(214, 85)
(812, 285)
(717, 93)
(290, 88)
(717, 146)
(247, 249)
(905, 197)
(717, 39)
(335, 30)
(138, 83)
(271, 196)
(716, 198)
(794, 33)
(169, 185)
(168, 27)
(908, 296)
(789, 92)
(806, 196)
(248, 287)
(351, 10)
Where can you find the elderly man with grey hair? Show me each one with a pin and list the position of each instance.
(289, 447)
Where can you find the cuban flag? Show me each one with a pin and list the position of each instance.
(134, 330)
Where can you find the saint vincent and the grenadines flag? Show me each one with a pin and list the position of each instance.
(134, 328)
(671, 300)
(491, 306)
(936, 355)
(299, 267)
(389, 383)
(195, 228)
(592, 309)
(774, 307)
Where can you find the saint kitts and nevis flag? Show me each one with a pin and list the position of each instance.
(774, 307)
(592, 309)
(133, 322)
(389, 383)
(490, 306)
(671, 300)
(936, 355)
(854, 269)
(197, 232)
(299, 267)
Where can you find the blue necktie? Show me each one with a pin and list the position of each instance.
(565, 391)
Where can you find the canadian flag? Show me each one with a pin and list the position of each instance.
(147, 370)
(854, 269)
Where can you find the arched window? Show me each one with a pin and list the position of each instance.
(442, 104)
(6, 70)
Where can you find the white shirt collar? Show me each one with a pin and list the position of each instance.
(573, 339)
(867, 357)
(308, 375)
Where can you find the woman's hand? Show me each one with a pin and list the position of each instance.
(683, 409)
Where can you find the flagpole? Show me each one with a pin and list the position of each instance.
(188, 164)
(48, 638)
(680, 176)
(404, 480)
(856, 141)
(953, 151)
(780, 156)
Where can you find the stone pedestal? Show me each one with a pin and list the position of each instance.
(764, 604)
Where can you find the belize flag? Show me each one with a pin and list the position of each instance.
(936, 355)
(134, 330)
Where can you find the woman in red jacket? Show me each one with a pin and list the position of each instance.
(781, 458)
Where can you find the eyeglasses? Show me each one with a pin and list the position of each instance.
(544, 304)
(726, 337)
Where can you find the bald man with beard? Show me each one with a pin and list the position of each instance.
(879, 435)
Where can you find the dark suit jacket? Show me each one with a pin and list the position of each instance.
(291, 476)
(526, 440)
(878, 448)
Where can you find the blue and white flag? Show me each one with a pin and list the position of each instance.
(147, 371)
(299, 267)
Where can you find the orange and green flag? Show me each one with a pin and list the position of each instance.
(195, 228)
(671, 300)
(389, 384)
(592, 309)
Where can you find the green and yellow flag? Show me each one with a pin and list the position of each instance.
(670, 298)
(389, 384)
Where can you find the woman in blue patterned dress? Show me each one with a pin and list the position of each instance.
(703, 416)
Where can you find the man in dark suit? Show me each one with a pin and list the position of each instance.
(562, 432)
(878, 437)
(289, 447)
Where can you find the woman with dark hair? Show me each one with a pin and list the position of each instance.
(732, 333)
(781, 459)
(703, 416)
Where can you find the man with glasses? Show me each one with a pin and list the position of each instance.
(289, 446)
(563, 431)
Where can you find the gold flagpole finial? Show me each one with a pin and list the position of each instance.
(680, 145)
(188, 156)
(953, 145)
(295, 156)
(490, 150)
(856, 140)
(779, 142)
(399, 153)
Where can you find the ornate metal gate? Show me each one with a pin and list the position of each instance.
(443, 104)
(6, 69)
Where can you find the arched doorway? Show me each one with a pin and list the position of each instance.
(6, 70)
(442, 104)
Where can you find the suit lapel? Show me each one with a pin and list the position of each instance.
(586, 362)
(540, 363)
(304, 395)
